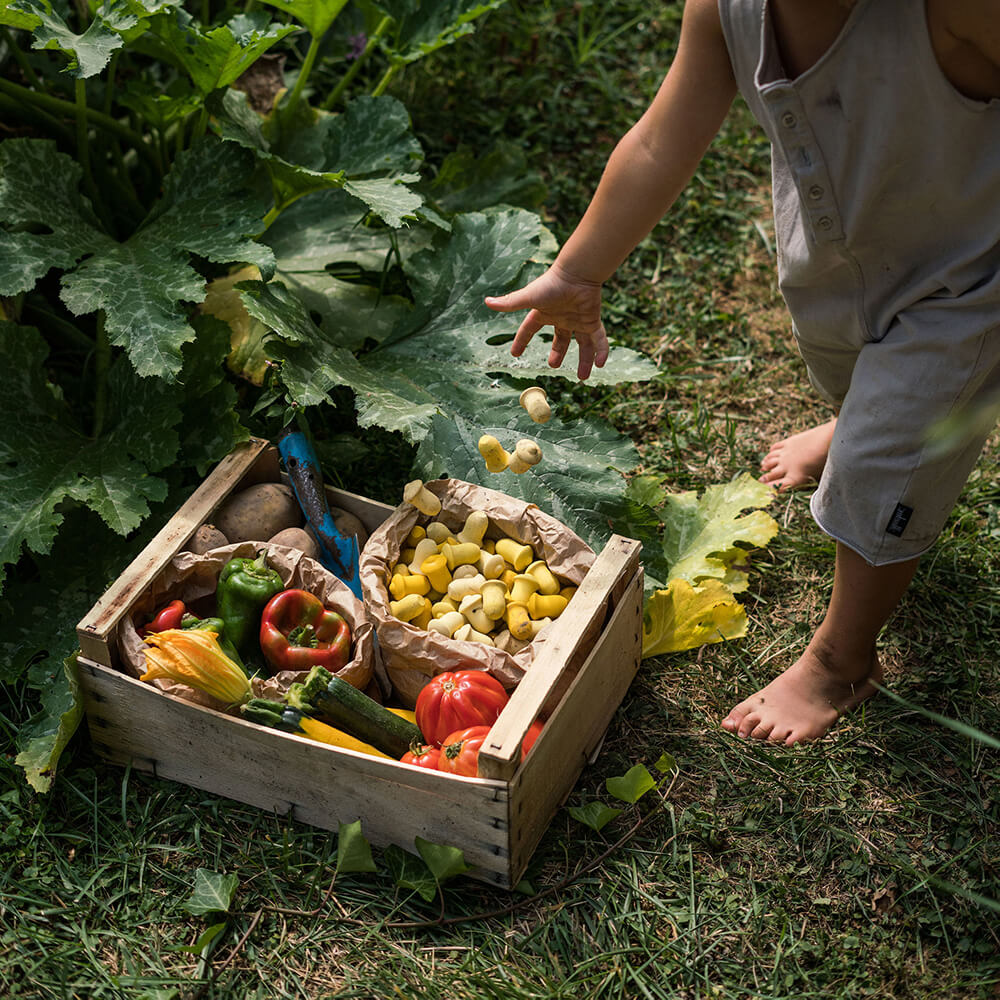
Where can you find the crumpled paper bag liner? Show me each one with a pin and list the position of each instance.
(192, 578)
(412, 656)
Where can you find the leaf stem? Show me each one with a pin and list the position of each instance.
(200, 125)
(335, 95)
(304, 70)
(387, 76)
(19, 57)
(56, 105)
(102, 364)
(83, 154)
(21, 110)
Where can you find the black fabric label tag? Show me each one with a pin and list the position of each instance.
(899, 520)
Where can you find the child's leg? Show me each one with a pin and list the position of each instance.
(835, 672)
(799, 459)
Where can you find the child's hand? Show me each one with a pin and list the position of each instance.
(569, 305)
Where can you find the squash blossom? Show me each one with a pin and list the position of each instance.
(194, 657)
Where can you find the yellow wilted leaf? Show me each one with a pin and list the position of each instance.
(701, 532)
(685, 616)
(247, 357)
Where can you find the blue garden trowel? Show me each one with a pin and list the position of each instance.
(337, 552)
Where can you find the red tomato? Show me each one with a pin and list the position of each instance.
(421, 755)
(530, 736)
(460, 751)
(457, 700)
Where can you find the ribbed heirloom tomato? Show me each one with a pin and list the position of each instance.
(422, 755)
(456, 700)
(460, 751)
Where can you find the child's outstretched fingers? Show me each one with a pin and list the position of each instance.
(572, 307)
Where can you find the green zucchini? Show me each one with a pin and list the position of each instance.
(342, 705)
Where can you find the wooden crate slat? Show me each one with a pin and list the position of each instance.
(615, 566)
(288, 775)
(94, 631)
(576, 728)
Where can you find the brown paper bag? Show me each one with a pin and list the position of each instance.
(411, 655)
(192, 578)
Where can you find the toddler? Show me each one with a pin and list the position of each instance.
(884, 119)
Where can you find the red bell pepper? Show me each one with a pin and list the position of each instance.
(169, 616)
(298, 633)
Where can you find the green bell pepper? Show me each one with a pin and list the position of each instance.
(245, 586)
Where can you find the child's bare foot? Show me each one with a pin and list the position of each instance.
(798, 460)
(804, 702)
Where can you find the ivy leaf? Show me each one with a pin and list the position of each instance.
(88, 53)
(594, 814)
(444, 862)
(204, 942)
(632, 785)
(354, 853)
(683, 616)
(44, 737)
(410, 872)
(213, 892)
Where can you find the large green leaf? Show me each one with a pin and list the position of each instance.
(315, 361)
(708, 536)
(326, 229)
(88, 52)
(485, 254)
(424, 26)
(316, 15)
(44, 221)
(215, 57)
(146, 285)
(48, 460)
(467, 182)
(579, 480)
(366, 151)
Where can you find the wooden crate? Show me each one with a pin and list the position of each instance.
(497, 820)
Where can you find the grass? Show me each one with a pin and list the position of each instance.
(866, 865)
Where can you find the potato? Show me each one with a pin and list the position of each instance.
(297, 538)
(206, 537)
(347, 524)
(258, 513)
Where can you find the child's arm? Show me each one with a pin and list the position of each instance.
(644, 175)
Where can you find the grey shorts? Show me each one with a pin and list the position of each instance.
(888, 487)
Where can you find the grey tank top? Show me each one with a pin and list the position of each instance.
(886, 179)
